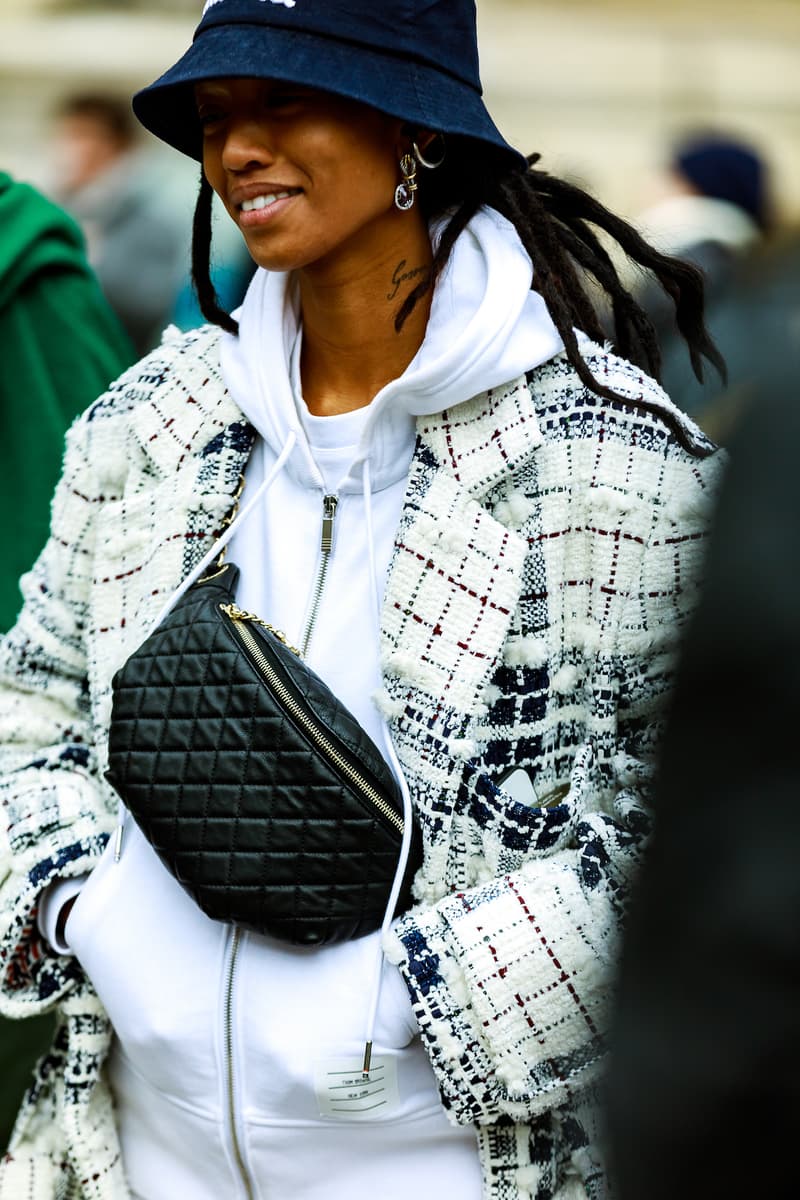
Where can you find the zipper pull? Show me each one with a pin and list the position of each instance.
(367, 1061)
(329, 504)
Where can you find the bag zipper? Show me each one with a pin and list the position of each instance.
(230, 1079)
(298, 713)
(329, 506)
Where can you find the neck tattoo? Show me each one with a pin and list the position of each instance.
(401, 276)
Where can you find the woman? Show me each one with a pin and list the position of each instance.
(484, 530)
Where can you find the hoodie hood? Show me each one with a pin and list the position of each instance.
(486, 328)
(35, 236)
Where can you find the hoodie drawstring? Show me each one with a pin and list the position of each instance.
(196, 573)
(408, 814)
(224, 538)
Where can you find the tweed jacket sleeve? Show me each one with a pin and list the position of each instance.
(509, 954)
(149, 474)
(54, 819)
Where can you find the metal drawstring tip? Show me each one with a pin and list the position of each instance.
(367, 1060)
(118, 843)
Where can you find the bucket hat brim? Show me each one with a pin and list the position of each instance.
(413, 91)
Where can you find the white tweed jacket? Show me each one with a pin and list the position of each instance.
(547, 556)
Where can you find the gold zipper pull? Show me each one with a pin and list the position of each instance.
(329, 504)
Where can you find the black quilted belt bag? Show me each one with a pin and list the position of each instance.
(258, 789)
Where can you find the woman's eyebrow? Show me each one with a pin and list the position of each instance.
(201, 90)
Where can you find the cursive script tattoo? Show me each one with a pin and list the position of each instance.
(401, 276)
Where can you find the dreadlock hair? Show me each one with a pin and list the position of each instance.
(554, 221)
(207, 297)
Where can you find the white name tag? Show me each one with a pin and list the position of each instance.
(344, 1093)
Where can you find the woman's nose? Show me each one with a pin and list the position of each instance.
(247, 144)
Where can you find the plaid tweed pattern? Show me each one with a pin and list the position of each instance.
(547, 555)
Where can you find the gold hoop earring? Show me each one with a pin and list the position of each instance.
(404, 192)
(423, 161)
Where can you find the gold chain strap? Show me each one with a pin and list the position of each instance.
(238, 614)
(231, 517)
(219, 566)
(232, 610)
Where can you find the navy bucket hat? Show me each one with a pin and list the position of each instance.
(413, 59)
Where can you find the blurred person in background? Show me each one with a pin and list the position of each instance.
(137, 218)
(715, 211)
(715, 206)
(757, 313)
(137, 235)
(705, 1067)
(487, 529)
(61, 345)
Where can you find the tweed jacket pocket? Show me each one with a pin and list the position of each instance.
(502, 834)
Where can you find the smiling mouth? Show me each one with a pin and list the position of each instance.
(267, 200)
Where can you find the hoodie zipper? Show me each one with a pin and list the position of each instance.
(230, 1073)
(329, 506)
(299, 714)
(239, 619)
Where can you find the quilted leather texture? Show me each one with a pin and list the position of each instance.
(255, 823)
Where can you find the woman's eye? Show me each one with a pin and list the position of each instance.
(207, 116)
(212, 125)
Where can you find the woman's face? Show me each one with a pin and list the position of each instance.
(308, 177)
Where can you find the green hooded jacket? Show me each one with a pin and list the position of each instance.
(60, 347)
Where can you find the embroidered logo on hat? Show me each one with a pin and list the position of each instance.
(286, 4)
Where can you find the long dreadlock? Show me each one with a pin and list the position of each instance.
(554, 220)
(207, 297)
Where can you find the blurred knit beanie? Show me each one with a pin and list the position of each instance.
(726, 169)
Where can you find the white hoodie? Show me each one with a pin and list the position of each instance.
(231, 1048)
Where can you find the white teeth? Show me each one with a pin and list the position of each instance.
(259, 202)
